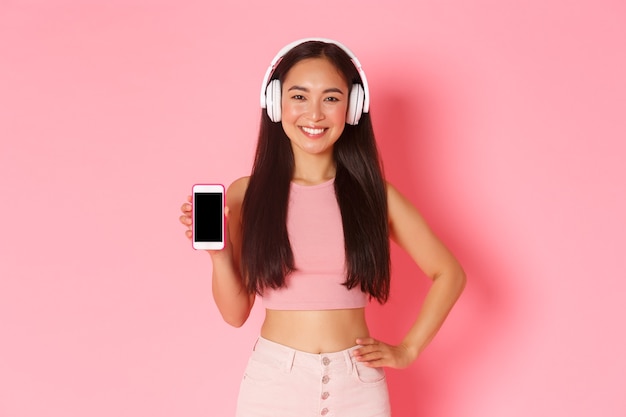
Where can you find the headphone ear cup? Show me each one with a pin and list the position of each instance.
(355, 105)
(273, 100)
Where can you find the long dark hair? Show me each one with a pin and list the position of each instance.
(359, 186)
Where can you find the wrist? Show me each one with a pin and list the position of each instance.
(220, 255)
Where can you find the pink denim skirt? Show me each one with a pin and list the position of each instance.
(284, 382)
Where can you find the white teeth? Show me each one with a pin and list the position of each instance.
(312, 131)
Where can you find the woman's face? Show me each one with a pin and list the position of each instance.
(314, 105)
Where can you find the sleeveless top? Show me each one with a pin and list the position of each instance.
(316, 237)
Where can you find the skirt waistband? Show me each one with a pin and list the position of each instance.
(290, 357)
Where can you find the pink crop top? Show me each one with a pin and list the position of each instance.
(316, 238)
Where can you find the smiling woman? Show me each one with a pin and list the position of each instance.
(309, 232)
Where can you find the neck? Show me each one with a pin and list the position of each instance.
(314, 169)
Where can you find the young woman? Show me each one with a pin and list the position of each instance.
(309, 232)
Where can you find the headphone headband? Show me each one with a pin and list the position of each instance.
(289, 47)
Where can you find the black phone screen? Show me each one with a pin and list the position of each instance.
(208, 218)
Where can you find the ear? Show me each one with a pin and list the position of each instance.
(273, 100)
(355, 105)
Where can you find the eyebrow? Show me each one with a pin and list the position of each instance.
(306, 90)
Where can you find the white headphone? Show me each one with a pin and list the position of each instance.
(271, 93)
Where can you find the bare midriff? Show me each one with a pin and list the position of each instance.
(315, 331)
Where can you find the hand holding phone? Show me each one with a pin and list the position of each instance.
(208, 216)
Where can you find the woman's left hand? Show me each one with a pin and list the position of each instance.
(377, 354)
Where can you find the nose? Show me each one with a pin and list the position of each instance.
(315, 111)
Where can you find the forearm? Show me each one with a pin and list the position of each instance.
(230, 295)
(443, 294)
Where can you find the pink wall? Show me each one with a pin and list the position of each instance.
(503, 121)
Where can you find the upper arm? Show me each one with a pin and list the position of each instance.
(234, 200)
(411, 232)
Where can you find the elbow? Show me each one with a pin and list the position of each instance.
(455, 277)
(234, 310)
(235, 320)
(460, 279)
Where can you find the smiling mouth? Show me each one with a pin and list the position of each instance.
(313, 131)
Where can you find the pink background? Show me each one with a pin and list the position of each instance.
(504, 121)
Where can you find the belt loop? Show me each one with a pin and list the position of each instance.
(255, 342)
(347, 354)
(289, 360)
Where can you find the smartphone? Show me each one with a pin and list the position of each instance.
(208, 216)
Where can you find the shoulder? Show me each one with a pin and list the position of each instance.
(402, 213)
(394, 198)
(392, 191)
(237, 190)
